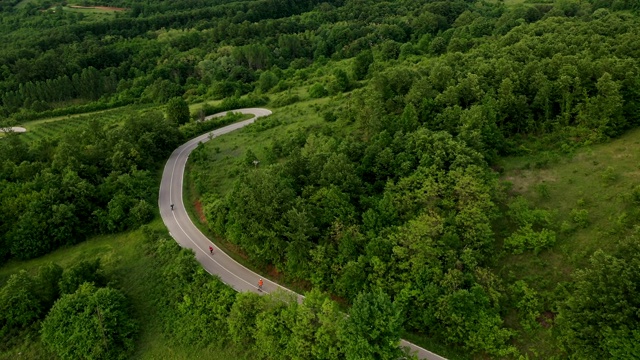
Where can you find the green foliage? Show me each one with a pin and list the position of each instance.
(90, 323)
(90, 179)
(361, 64)
(339, 82)
(317, 90)
(267, 81)
(47, 283)
(177, 111)
(528, 303)
(525, 238)
(580, 217)
(372, 330)
(635, 194)
(20, 304)
(600, 318)
(284, 100)
(80, 273)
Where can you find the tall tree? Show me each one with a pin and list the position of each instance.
(177, 111)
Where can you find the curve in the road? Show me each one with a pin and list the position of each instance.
(183, 231)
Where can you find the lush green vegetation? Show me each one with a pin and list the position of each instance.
(432, 161)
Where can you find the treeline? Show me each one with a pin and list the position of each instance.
(236, 42)
(199, 310)
(74, 310)
(89, 85)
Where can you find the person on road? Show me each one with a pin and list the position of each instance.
(211, 249)
(171, 207)
(260, 285)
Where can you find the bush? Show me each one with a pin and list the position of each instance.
(141, 213)
(177, 111)
(19, 304)
(284, 100)
(527, 239)
(580, 217)
(635, 195)
(528, 304)
(80, 273)
(90, 324)
(317, 90)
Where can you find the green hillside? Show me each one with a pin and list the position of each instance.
(468, 169)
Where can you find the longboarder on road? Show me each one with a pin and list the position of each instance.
(171, 207)
(260, 285)
(211, 249)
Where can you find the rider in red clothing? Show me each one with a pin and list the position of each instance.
(260, 285)
(211, 249)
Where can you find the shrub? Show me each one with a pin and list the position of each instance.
(284, 100)
(528, 304)
(580, 217)
(527, 239)
(19, 304)
(317, 90)
(177, 111)
(84, 271)
(90, 324)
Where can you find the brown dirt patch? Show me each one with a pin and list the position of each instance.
(107, 8)
(546, 319)
(522, 180)
(198, 205)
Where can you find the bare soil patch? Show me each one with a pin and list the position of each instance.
(106, 8)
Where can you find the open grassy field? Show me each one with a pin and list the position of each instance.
(589, 195)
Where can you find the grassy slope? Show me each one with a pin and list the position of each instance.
(597, 179)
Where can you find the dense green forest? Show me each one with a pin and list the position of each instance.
(393, 205)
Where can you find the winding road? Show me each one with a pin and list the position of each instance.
(189, 236)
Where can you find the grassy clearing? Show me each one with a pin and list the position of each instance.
(594, 183)
(197, 106)
(224, 152)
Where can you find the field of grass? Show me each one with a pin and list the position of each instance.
(596, 182)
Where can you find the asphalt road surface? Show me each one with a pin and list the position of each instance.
(189, 236)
